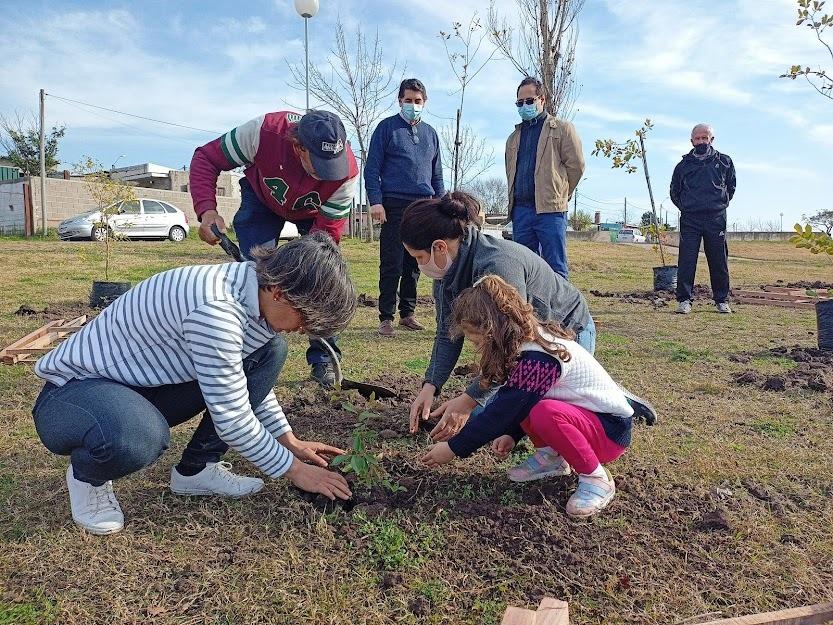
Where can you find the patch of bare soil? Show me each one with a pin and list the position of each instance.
(806, 284)
(813, 370)
(65, 310)
(657, 299)
(368, 300)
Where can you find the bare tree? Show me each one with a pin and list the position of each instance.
(462, 47)
(359, 86)
(542, 45)
(492, 194)
(20, 140)
(473, 156)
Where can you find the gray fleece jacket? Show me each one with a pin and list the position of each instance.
(553, 297)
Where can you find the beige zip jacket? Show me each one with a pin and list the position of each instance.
(559, 165)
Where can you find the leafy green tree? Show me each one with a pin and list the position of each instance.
(20, 140)
(579, 220)
(647, 218)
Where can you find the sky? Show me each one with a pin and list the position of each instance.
(211, 66)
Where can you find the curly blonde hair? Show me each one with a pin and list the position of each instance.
(493, 309)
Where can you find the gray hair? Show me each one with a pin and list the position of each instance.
(312, 275)
(707, 127)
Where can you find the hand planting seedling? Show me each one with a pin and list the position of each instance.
(358, 460)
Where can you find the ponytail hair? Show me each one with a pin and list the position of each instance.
(447, 217)
(493, 309)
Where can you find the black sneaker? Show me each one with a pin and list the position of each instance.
(642, 409)
(324, 374)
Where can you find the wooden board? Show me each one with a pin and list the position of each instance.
(9, 359)
(761, 301)
(40, 341)
(818, 614)
(550, 612)
(518, 616)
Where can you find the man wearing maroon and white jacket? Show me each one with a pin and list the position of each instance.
(298, 169)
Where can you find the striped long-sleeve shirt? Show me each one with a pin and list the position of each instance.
(191, 323)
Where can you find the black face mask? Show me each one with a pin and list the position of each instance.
(701, 149)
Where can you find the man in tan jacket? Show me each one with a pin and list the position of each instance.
(544, 164)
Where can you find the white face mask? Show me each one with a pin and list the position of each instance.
(431, 269)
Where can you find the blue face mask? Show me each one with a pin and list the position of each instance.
(528, 111)
(411, 112)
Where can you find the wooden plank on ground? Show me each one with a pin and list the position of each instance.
(518, 616)
(760, 301)
(9, 359)
(552, 612)
(818, 614)
(789, 297)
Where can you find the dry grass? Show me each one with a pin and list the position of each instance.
(465, 541)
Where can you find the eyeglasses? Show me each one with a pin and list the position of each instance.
(414, 135)
(520, 103)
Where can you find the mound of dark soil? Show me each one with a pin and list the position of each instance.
(813, 370)
(655, 298)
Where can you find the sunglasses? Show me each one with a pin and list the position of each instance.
(414, 135)
(520, 103)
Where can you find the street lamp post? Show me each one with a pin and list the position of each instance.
(306, 9)
(782, 222)
(113, 166)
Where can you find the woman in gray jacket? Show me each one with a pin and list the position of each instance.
(440, 234)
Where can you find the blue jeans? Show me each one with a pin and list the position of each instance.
(110, 430)
(544, 234)
(587, 337)
(255, 224)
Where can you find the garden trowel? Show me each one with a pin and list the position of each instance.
(364, 388)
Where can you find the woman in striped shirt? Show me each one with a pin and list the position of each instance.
(193, 339)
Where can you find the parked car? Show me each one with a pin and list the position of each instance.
(142, 218)
(507, 231)
(630, 235)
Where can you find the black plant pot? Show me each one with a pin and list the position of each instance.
(665, 278)
(105, 293)
(824, 323)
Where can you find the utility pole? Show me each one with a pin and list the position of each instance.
(626, 213)
(782, 222)
(42, 164)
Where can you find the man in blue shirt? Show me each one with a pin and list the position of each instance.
(403, 165)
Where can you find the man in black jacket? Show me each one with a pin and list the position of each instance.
(701, 187)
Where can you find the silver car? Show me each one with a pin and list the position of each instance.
(142, 218)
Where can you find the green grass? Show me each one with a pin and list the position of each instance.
(276, 559)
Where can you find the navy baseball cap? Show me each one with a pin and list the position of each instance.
(324, 137)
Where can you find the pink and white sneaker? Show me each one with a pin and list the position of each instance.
(592, 496)
(545, 462)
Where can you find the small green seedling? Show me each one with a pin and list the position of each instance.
(359, 461)
(811, 293)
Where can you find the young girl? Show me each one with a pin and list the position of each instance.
(553, 390)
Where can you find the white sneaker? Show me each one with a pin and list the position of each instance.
(723, 308)
(592, 496)
(683, 308)
(215, 479)
(94, 508)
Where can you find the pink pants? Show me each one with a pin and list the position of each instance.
(574, 432)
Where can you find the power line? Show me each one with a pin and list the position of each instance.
(587, 197)
(138, 130)
(150, 119)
